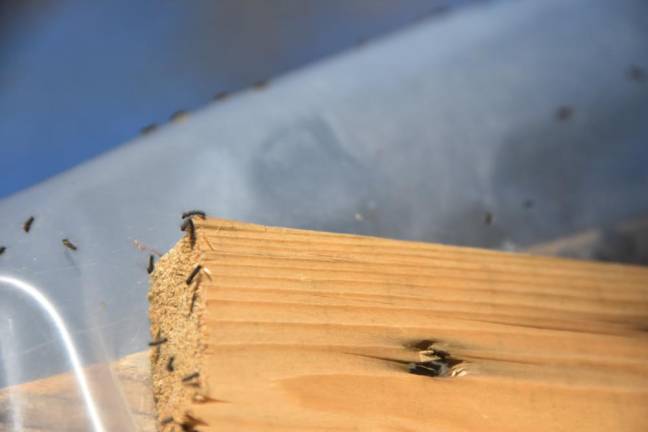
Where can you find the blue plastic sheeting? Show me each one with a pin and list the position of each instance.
(532, 112)
(78, 78)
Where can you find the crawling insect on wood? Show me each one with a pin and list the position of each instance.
(194, 297)
(190, 377)
(187, 427)
(166, 421)
(151, 264)
(68, 244)
(188, 226)
(190, 213)
(169, 366)
(193, 274)
(157, 342)
(429, 368)
(28, 224)
(2, 249)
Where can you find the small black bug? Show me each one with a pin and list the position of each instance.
(488, 218)
(429, 368)
(190, 377)
(151, 264)
(193, 274)
(178, 116)
(28, 223)
(2, 249)
(194, 297)
(187, 427)
(166, 421)
(148, 129)
(221, 95)
(190, 213)
(564, 113)
(68, 244)
(157, 342)
(169, 366)
(188, 226)
(636, 73)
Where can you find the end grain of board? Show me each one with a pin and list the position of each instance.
(308, 331)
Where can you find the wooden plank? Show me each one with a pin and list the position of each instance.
(54, 403)
(297, 330)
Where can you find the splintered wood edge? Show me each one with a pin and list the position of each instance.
(178, 305)
(175, 308)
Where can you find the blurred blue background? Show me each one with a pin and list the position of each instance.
(78, 78)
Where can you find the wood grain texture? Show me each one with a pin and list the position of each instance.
(302, 331)
(55, 404)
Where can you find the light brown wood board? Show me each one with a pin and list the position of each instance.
(317, 331)
(298, 330)
(55, 403)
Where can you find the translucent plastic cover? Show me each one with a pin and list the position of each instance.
(450, 131)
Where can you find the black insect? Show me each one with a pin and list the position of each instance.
(187, 427)
(148, 129)
(190, 377)
(636, 73)
(166, 421)
(151, 264)
(169, 366)
(190, 213)
(2, 249)
(260, 84)
(28, 223)
(193, 274)
(178, 115)
(158, 342)
(221, 95)
(429, 368)
(564, 113)
(68, 244)
(194, 297)
(488, 218)
(188, 226)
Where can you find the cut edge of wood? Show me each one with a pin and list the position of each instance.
(183, 294)
(175, 310)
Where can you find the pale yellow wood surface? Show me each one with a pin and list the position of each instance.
(526, 372)
(54, 403)
(305, 331)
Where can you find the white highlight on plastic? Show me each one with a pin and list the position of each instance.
(7, 346)
(53, 314)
